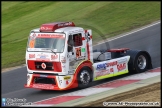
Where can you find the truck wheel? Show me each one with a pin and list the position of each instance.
(139, 61)
(84, 78)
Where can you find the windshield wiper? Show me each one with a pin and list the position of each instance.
(53, 52)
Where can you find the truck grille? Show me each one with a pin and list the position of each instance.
(43, 80)
(49, 66)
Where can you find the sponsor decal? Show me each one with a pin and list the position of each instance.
(121, 67)
(67, 82)
(80, 58)
(65, 24)
(67, 77)
(32, 37)
(112, 63)
(31, 43)
(83, 49)
(104, 65)
(111, 69)
(50, 36)
(101, 66)
(53, 57)
(104, 72)
(101, 73)
(32, 40)
(31, 56)
(42, 57)
(43, 75)
(43, 65)
(78, 52)
(45, 28)
(43, 86)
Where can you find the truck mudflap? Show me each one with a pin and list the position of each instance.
(51, 82)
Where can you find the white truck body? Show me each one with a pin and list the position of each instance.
(54, 67)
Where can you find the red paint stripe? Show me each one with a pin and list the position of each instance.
(155, 70)
(58, 100)
(117, 83)
(118, 50)
(88, 51)
(67, 82)
(83, 38)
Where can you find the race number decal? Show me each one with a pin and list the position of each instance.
(31, 44)
(78, 52)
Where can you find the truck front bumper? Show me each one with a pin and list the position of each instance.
(51, 82)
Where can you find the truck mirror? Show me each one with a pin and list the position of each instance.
(70, 43)
(70, 48)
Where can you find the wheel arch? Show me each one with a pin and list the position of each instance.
(84, 64)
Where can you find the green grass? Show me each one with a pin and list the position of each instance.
(110, 18)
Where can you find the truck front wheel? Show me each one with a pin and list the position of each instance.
(84, 77)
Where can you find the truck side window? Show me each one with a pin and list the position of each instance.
(77, 39)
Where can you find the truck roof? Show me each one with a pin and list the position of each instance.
(70, 29)
(61, 30)
(58, 27)
(51, 27)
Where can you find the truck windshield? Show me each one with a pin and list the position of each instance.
(50, 41)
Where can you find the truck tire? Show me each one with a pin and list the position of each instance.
(139, 61)
(84, 77)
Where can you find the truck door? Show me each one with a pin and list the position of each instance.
(76, 50)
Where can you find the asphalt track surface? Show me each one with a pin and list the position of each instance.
(147, 39)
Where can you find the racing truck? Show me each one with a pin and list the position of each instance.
(60, 56)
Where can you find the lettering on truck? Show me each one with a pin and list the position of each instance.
(53, 57)
(104, 65)
(43, 86)
(65, 24)
(50, 35)
(104, 72)
(31, 56)
(121, 66)
(101, 73)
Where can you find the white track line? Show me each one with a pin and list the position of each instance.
(131, 32)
